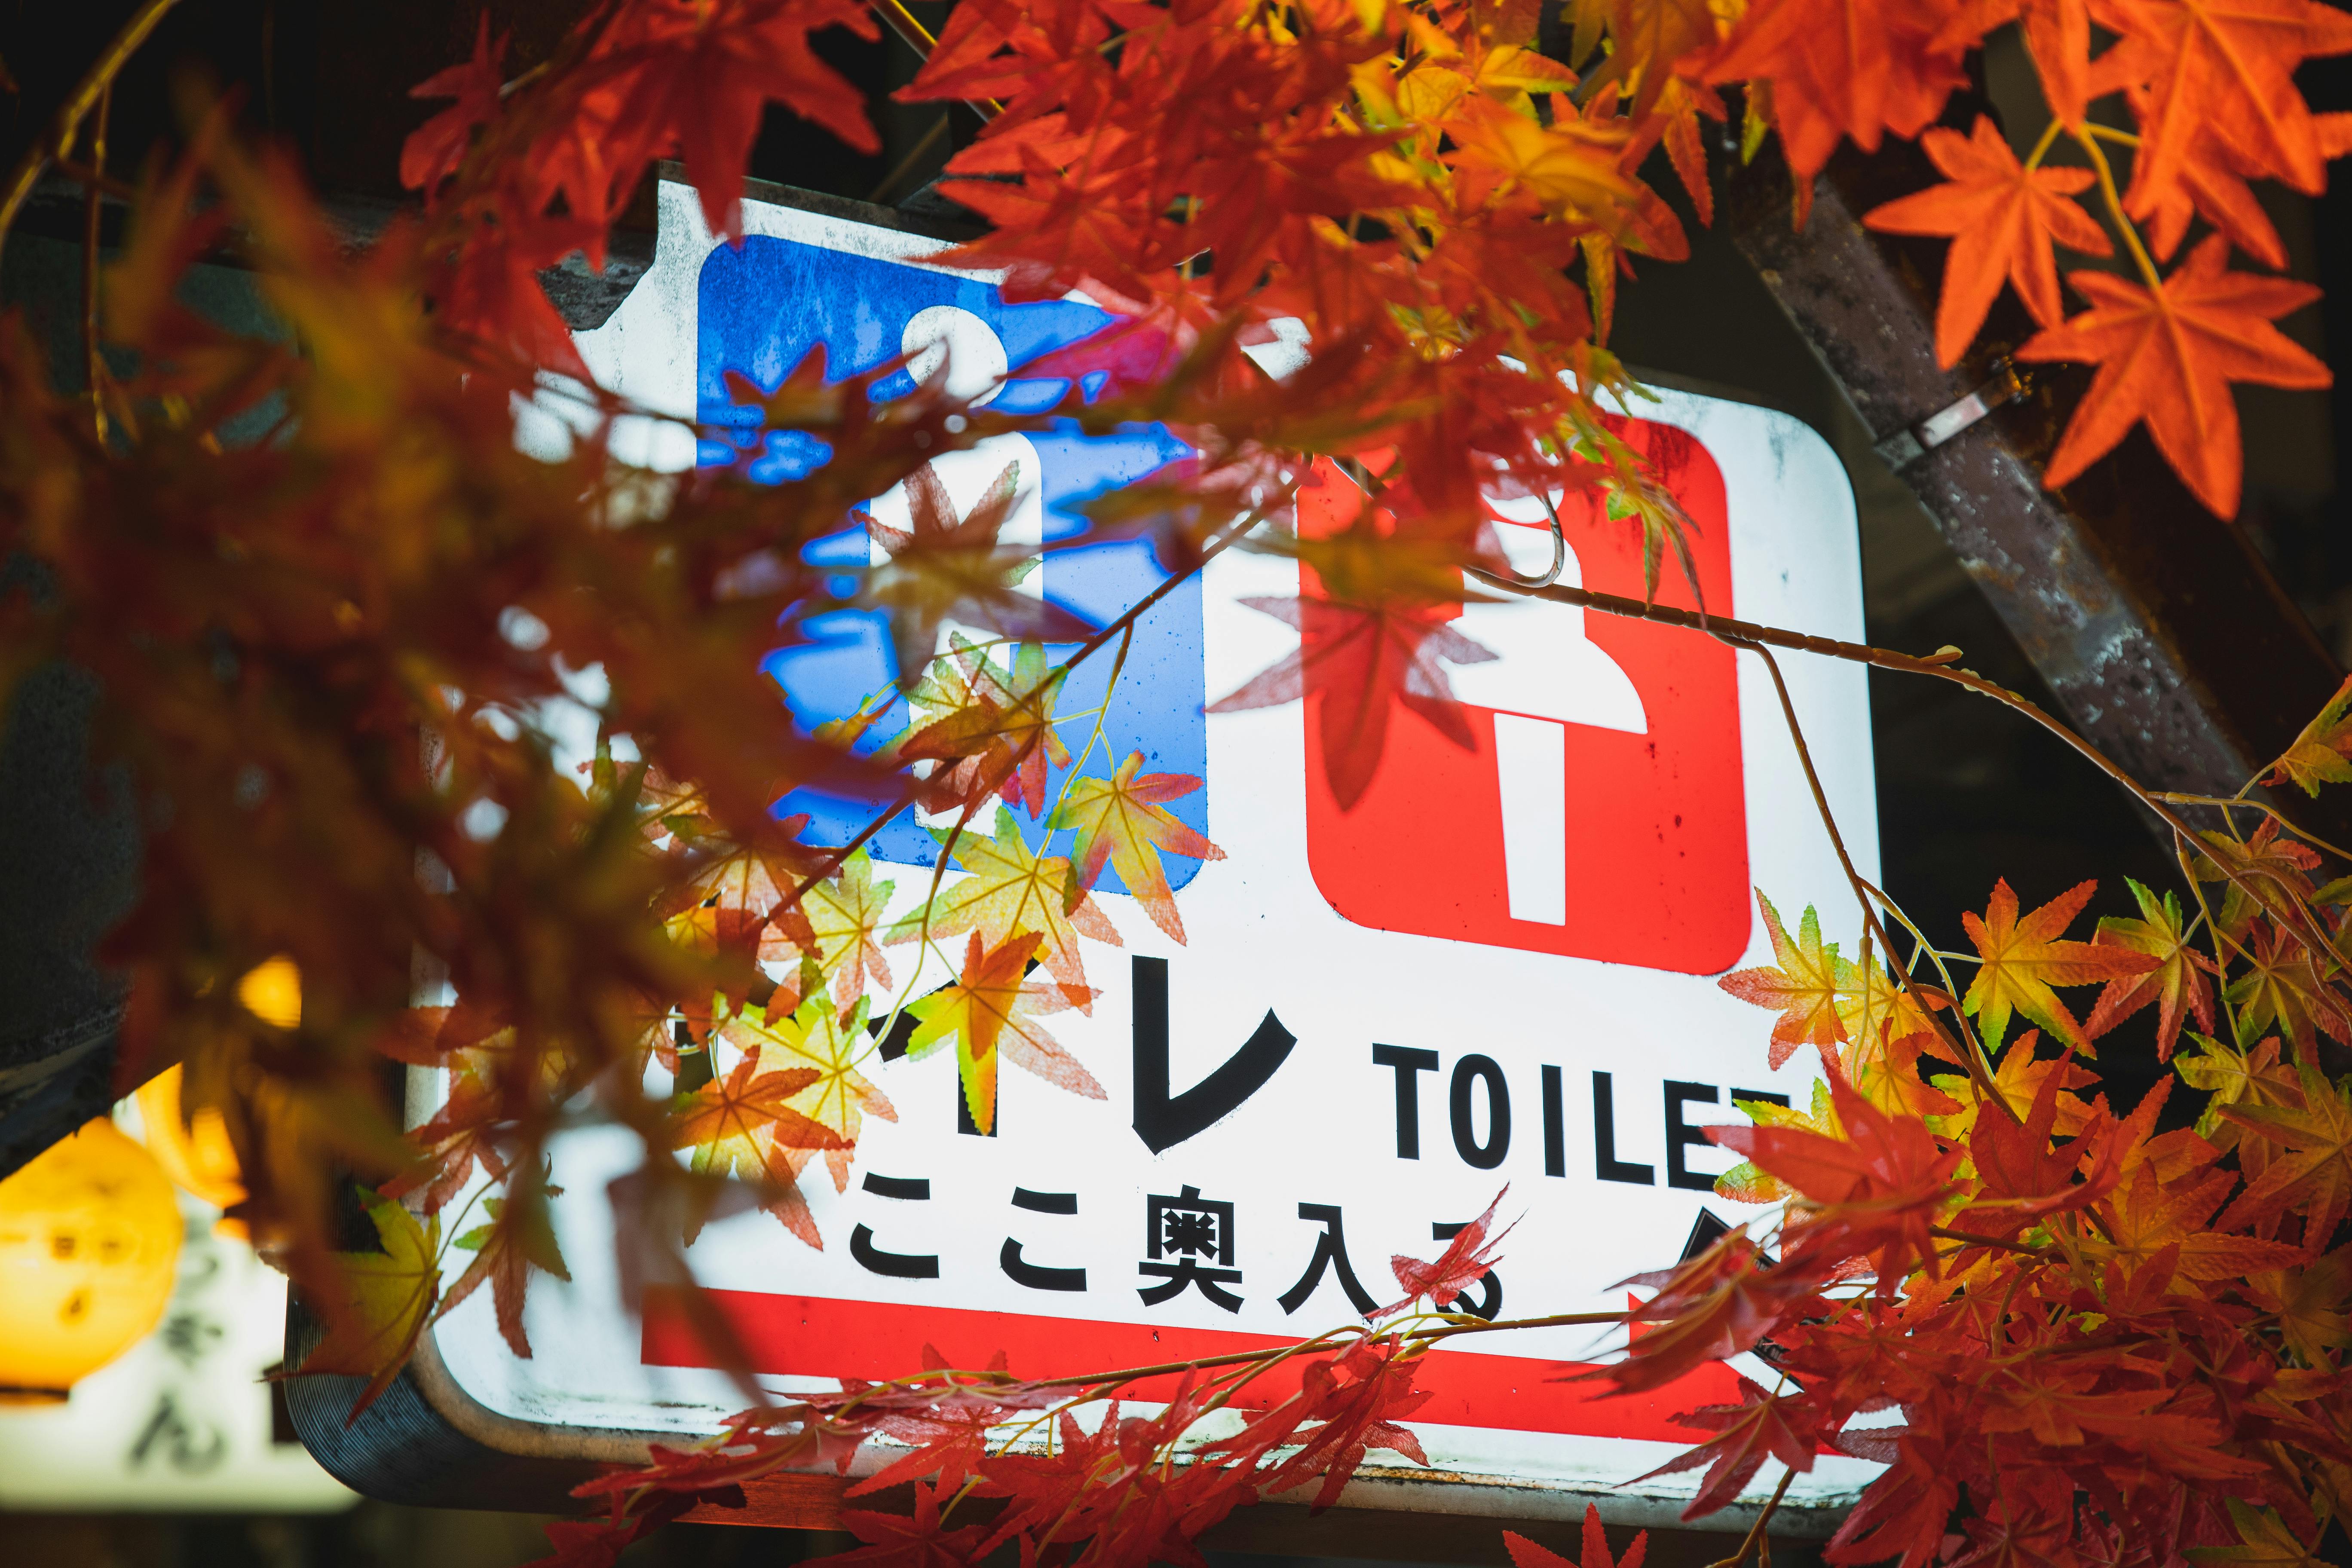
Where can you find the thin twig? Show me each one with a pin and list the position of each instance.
(1909, 664)
(93, 368)
(1756, 1531)
(1116, 627)
(1971, 1050)
(80, 102)
(915, 155)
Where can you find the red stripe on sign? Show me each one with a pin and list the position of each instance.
(813, 1336)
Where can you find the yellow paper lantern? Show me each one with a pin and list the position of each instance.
(194, 1151)
(90, 1244)
(272, 992)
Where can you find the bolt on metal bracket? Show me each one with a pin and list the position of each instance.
(1916, 441)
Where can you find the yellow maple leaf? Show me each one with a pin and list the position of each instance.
(991, 1014)
(844, 915)
(819, 1038)
(2023, 957)
(1013, 890)
(2317, 755)
(376, 1303)
(1803, 989)
(1118, 819)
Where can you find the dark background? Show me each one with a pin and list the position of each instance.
(1967, 791)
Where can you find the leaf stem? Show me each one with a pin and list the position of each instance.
(2041, 147)
(1972, 1051)
(2115, 204)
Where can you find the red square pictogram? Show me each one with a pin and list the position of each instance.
(1601, 812)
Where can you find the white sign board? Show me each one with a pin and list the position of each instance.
(1497, 968)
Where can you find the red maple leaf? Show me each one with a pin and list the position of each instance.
(2001, 217)
(2168, 356)
(916, 1542)
(1874, 1191)
(1787, 1427)
(1374, 616)
(1461, 1265)
(435, 149)
(1526, 1554)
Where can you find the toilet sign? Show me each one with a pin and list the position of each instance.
(1601, 810)
(1497, 970)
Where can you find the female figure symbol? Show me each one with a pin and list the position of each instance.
(1545, 676)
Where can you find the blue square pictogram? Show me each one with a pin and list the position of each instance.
(760, 309)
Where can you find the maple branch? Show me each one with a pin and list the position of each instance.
(2047, 139)
(93, 368)
(917, 37)
(1117, 626)
(1726, 629)
(1974, 1240)
(93, 86)
(1972, 1052)
(1755, 1536)
(2238, 803)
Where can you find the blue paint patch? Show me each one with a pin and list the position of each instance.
(761, 309)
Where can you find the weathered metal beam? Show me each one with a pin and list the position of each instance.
(2159, 628)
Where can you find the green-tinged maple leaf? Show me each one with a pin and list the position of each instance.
(1118, 820)
(821, 1039)
(2023, 957)
(844, 914)
(1803, 989)
(2231, 1077)
(743, 1128)
(2313, 1175)
(1013, 890)
(519, 1237)
(2275, 866)
(2317, 755)
(1746, 1184)
(990, 1012)
(377, 1303)
(948, 566)
(2282, 985)
(988, 730)
(2178, 982)
(2265, 1542)
(2310, 1304)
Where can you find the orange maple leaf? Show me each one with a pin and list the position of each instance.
(2001, 217)
(1118, 820)
(2057, 36)
(991, 1014)
(1804, 988)
(2168, 356)
(2224, 67)
(742, 1127)
(2023, 958)
(2178, 980)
